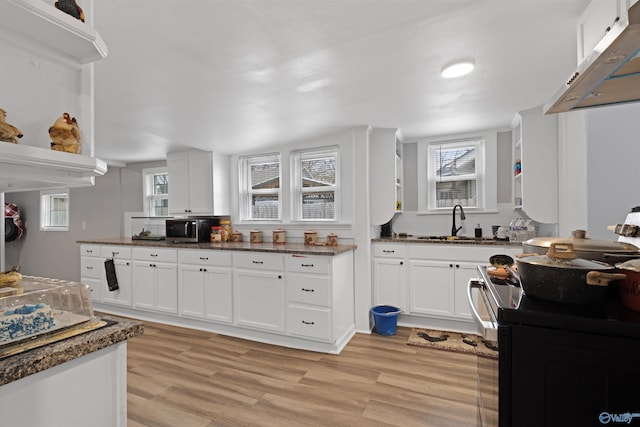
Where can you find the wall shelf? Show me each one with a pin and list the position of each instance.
(23, 167)
(52, 29)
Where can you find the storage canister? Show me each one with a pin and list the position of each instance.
(236, 236)
(255, 236)
(310, 237)
(332, 239)
(216, 233)
(279, 236)
(227, 230)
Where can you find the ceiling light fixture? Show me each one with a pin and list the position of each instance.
(457, 69)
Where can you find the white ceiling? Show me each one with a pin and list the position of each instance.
(225, 75)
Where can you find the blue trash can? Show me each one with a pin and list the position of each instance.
(385, 319)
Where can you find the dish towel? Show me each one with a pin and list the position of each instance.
(112, 279)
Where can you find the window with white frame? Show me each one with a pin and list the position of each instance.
(54, 210)
(260, 187)
(455, 174)
(156, 191)
(316, 184)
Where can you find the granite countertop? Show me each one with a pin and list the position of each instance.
(13, 368)
(439, 241)
(286, 248)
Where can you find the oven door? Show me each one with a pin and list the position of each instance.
(487, 365)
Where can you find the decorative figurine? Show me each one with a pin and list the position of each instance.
(65, 135)
(8, 133)
(70, 7)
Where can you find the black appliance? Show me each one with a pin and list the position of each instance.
(385, 230)
(190, 230)
(558, 364)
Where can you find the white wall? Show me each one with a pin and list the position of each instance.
(56, 253)
(613, 166)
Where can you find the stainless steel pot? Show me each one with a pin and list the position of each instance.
(610, 252)
(560, 276)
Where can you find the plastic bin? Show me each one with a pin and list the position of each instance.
(385, 319)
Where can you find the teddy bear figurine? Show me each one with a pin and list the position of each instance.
(65, 135)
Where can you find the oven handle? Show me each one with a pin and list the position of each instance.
(489, 329)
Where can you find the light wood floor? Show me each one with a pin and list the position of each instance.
(182, 377)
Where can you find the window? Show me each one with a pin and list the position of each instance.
(316, 184)
(54, 210)
(156, 191)
(455, 174)
(259, 178)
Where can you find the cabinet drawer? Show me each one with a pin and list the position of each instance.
(259, 261)
(155, 254)
(90, 250)
(213, 257)
(305, 289)
(91, 267)
(116, 252)
(389, 251)
(309, 322)
(308, 264)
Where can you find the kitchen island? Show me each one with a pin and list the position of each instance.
(80, 380)
(289, 294)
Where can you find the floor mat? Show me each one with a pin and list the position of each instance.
(452, 341)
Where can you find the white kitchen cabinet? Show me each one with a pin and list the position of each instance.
(259, 291)
(385, 153)
(205, 285)
(308, 290)
(198, 183)
(431, 283)
(319, 297)
(155, 279)
(595, 22)
(389, 275)
(91, 267)
(122, 261)
(535, 145)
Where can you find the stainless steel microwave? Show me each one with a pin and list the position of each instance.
(190, 230)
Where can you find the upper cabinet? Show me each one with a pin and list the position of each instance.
(596, 21)
(52, 29)
(535, 165)
(199, 183)
(385, 150)
(47, 61)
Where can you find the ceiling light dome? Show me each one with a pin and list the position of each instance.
(457, 69)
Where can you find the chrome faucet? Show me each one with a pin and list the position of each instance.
(454, 230)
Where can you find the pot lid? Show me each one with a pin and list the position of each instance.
(632, 264)
(562, 255)
(582, 243)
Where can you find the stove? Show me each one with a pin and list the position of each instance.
(558, 364)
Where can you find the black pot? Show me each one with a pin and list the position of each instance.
(611, 252)
(560, 276)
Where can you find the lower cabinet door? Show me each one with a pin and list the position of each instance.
(218, 294)
(166, 287)
(309, 322)
(464, 273)
(122, 295)
(258, 299)
(143, 278)
(205, 292)
(432, 287)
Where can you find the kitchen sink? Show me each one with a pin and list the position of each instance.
(453, 238)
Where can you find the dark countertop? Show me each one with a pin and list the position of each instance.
(13, 368)
(463, 241)
(285, 248)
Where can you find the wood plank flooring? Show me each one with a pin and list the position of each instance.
(188, 378)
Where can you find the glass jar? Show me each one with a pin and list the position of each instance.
(227, 230)
(216, 233)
